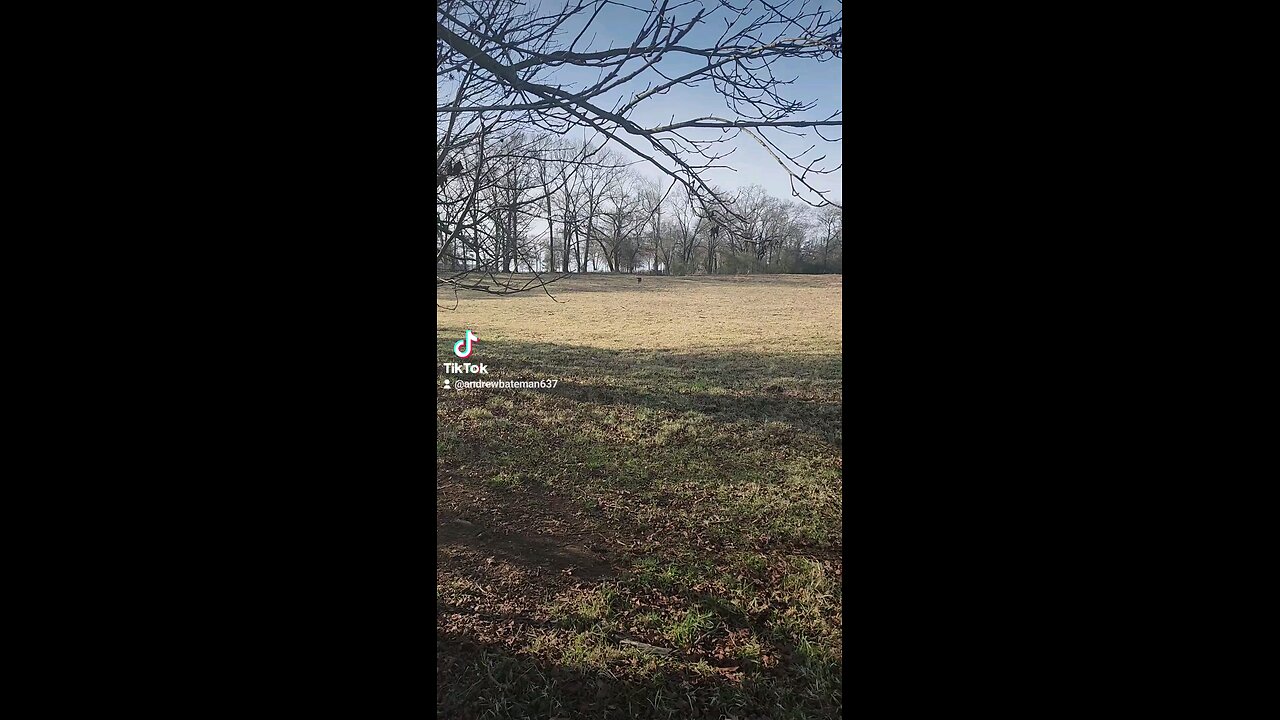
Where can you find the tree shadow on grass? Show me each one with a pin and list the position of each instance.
(803, 415)
(577, 671)
(542, 553)
(486, 672)
(625, 421)
(799, 390)
(476, 680)
(721, 367)
(487, 680)
(555, 487)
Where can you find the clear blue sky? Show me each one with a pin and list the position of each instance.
(617, 27)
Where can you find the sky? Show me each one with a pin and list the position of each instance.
(751, 163)
(617, 26)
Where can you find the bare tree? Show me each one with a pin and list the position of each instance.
(624, 214)
(686, 223)
(495, 61)
(830, 226)
(653, 196)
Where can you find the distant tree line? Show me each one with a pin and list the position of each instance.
(593, 213)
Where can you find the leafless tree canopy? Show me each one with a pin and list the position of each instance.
(507, 129)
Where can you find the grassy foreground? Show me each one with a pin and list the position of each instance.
(660, 535)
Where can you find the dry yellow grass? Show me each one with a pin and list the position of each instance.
(762, 313)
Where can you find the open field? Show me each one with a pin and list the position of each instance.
(659, 536)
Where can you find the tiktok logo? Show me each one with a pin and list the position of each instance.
(464, 352)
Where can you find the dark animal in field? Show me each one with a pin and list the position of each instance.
(639, 280)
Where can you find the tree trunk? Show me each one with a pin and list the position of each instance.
(509, 236)
(565, 257)
(475, 234)
(577, 253)
(500, 242)
(551, 237)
